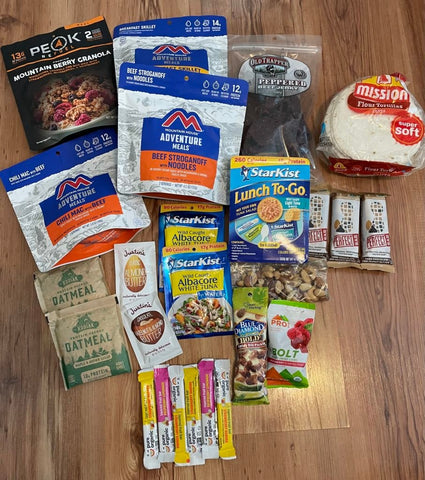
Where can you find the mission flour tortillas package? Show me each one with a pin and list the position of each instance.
(374, 127)
(196, 42)
(63, 81)
(67, 204)
(177, 132)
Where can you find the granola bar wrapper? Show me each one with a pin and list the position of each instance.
(164, 414)
(250, 324)
(63, 81)
(319, 224)
(149, 419)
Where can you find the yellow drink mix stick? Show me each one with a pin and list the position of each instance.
(208, 409)
(150, 427)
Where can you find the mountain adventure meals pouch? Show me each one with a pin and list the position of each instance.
(200, 42)
(66, 201)
(177, 132)
(63, 81)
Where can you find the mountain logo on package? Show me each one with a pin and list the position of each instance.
(181, 147)
(168, 49)
(179, 57)
(72, 185)
(84, 323)
(78, 201)
(68, 277)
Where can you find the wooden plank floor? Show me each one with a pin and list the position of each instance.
(363, 415)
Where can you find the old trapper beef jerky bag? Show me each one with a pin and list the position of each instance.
(63, 81)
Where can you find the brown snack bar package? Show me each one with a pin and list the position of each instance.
(319, 223)
(63, 81)
(70, 285)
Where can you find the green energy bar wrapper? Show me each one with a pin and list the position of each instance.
(63, 81)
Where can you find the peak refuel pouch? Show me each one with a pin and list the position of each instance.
(198, 289)
(177, 132)
(199, 42)
(63, 81)
(66, 201)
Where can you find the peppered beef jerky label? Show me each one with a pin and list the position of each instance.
(275, 76)
(177, 132)
(174, 42)
(63, 81)
(179, 57)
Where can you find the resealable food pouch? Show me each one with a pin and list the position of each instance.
(177, 132)
(199, 42)
(89, 341)
(63, 81)
(283, 73)
(197, 289)
(67, 204)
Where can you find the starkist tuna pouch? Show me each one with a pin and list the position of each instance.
(66, 201)
(177, 132)
(197, 289)
(190, 43)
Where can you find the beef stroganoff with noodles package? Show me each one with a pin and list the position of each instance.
(200, 42)
(66, 201)
(177, 132)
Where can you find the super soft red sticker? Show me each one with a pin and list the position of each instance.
(407, 129)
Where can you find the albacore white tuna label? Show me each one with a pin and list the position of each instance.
(177, 132)
(200, 41)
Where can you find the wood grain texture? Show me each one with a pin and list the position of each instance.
(367, 355)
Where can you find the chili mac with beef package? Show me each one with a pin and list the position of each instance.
(66, 201)
(63, 81)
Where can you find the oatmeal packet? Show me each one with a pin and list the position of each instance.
(197, 289)
(375, 234)
(63, 81)
(250, 320)
(290, 325)
(149, 331)
(135, 270)
(177, 132)
(174, 42)
(89, 341)
(67, 203)
(71, 285)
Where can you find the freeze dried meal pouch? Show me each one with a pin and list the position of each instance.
(269, 209)
(151, 336)
(290, 325)
(135, 270)
(177, 132)
(250, 323)
(374, 127)
(188, 224)
(283, 73)
(89, 341)
(179, 57)
(71, 285)
(67, 204)
(174, 42)
(63, 81)
(197, 289)
(375, 234)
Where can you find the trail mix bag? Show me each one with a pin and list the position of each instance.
(63, 81)
(177, 132)
(67, 204)
(174, 42)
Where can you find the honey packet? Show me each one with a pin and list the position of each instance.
(71, 285)
(89, 341)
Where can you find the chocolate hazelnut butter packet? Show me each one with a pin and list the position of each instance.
(70, 285)
(63, 81)
(89, 341)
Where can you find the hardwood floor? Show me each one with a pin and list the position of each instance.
(363, 415)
